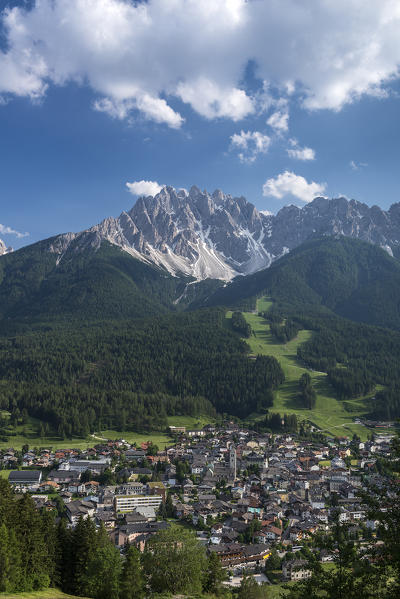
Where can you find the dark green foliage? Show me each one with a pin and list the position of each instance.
(85, 285)
(314, 287)
(285, 332)
(175, 562)
(350, 277)
(215, 575)
(250, 589)
(365, 355)
(353, 383)
(308, 396)
(273, 562)
(130, 375)
(27, 561)
(386, 405)
(240, 325)
(132, 581)
(277, 423)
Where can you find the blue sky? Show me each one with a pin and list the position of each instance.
(221, 94)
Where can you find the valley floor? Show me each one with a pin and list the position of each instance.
(29, 435)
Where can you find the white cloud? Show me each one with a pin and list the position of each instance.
(356, 166)
(9, 231)
(212, 101)
(250, 144)
(299, 153)
(143, 55)
(290, 184)
(144, 188)
(279, 121)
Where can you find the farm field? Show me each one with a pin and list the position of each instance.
(329, 414)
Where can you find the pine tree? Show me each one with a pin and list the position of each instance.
(83, 548)
(132, 581)
(4, 560)
(175, 562)
(215, 574)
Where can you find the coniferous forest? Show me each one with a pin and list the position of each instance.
(131, 375)
(38, 551)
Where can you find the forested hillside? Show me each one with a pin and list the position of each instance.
(132, 374)
(349, 277)
(97, 341)
(37, 285)
(340, 289)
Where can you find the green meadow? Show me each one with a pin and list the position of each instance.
(45, 594)
(329, 414)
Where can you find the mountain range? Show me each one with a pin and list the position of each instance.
(217, 236)
(109, 318)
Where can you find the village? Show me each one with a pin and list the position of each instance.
(256, 500)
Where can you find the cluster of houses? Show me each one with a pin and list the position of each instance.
(244, 493)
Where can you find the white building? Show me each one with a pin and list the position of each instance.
(128, 503)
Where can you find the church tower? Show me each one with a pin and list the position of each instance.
(232, 461)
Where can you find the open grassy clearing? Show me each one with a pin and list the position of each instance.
(28, 434)
(329, 414)
(161, 439)
(45, 594)
(191, 422)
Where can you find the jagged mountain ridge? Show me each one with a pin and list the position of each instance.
(196, 234)
(3, 248)
(217, 236)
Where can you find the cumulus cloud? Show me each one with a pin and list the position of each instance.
(143, 56)
(211, 100)
(144, 188)
(250, 144)
(290, 184)
(279, 121)
(299, 153)
(4, 230)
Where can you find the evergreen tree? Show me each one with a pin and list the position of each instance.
(273, 562)
(175, 562)
(215, 574)
(132, 582)
(249, 589)
(4, 560)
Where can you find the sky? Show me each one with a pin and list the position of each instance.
(276, 100)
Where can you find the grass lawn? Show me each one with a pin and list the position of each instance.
(46, 594)
(47, 442)
(161, 439)
(5, 474)
(276, 591)
(28, 434)
(325, 463)
(329, 414)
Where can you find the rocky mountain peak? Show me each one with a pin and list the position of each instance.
(205, 235)
(4, 249)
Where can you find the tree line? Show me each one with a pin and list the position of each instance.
(131, 375)
(36, 553)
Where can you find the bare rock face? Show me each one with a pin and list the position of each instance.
(4, 249)
(218, 236)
